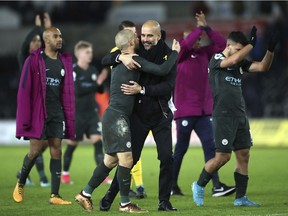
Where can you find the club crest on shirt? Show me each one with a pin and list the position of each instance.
(62, 72)
(94, 77)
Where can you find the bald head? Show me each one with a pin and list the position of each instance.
(153, 26)
(50, 31)
(150, 34)
(124, 38)
(52, 38)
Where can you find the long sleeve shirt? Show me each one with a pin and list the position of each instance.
(192, 94)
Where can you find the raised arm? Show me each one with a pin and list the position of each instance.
(266, 62)
(242, 53)
(218, 41)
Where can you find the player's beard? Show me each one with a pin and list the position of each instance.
(59, 48)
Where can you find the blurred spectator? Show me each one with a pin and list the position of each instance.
(62, 11)
(199, 6)
(238, 8)
(271, 8)
(275, 83)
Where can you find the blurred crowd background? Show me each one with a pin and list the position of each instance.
(266, 94)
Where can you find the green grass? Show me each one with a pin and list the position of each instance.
(267, 184)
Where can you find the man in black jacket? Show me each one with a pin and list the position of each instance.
(151, 112)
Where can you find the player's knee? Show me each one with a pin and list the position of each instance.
(180, 152)
(34, 153)
(55, 153)
(166, 159)
(96, 138)
(223, 158)
(126, 163)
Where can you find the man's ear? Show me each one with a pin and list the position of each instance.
(158, 37)
(228, 44)
(131, 43)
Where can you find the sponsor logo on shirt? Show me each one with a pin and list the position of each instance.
(219, 56)
(94, 77)
(233, 81)
(52, 81)
(62, 72)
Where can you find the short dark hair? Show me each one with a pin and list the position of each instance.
(238, 37)
(125, 23)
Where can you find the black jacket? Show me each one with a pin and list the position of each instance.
(158, 90)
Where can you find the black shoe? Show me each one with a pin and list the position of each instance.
(223, 190)
(166, 206)
(176, 191)
(106, 202)
(132, 194)
(140, 193)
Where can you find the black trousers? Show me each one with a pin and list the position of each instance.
(161, 130)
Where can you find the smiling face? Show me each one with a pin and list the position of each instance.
(150, 34)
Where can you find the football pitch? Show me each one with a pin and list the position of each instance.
(267, 184)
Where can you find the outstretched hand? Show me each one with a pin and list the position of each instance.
(273, 40)
(201, 21)
(176, 46)
(253, 36)
(47, 21)
(37, 20)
